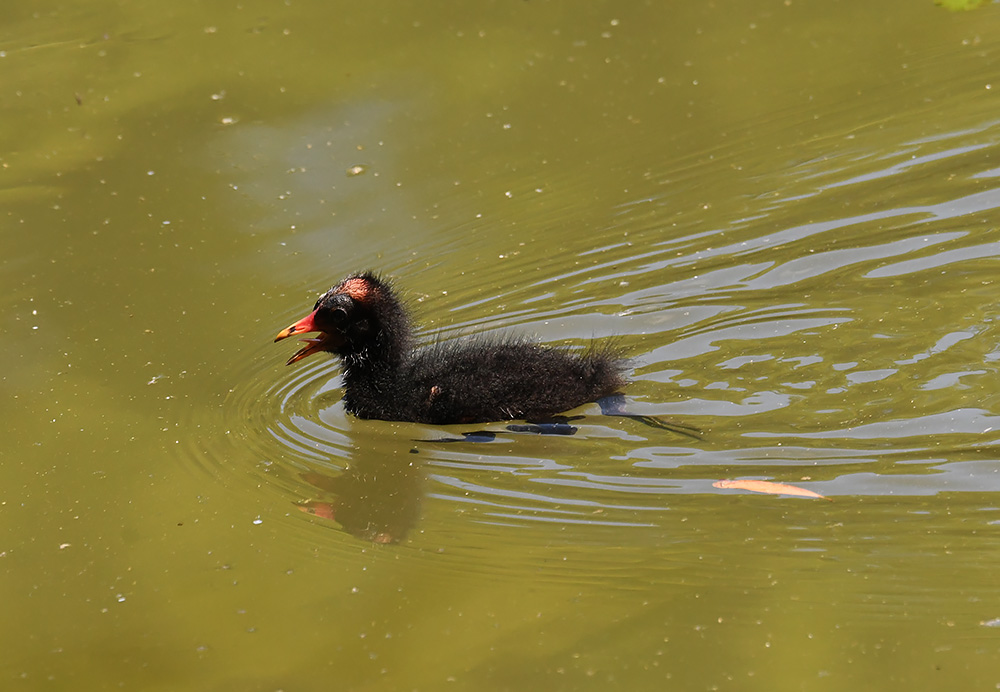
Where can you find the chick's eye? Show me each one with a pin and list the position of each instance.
(330, 318)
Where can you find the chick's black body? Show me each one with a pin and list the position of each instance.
(470, 380)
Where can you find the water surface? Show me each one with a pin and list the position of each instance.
(786, 215)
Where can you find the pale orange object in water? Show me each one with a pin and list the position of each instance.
(769, 487)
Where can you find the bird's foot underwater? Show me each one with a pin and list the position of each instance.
(614, 406)
(611, 406)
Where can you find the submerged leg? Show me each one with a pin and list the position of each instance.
(557, 425)
(614, 405)
(476, 436)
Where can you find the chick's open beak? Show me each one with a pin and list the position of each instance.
(323, 342)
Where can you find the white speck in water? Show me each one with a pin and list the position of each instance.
(258, 520)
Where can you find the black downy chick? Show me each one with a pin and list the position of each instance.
(476, 379)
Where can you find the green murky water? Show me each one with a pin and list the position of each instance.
(787, 213)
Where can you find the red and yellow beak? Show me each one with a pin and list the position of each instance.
(323, 342)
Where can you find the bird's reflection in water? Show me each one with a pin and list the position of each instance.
(378, 500)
